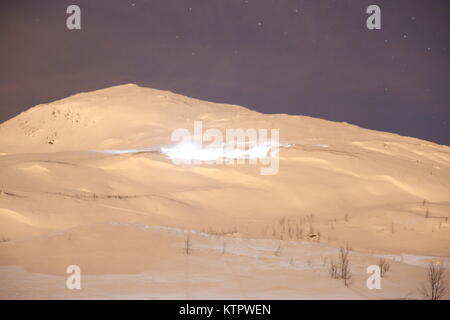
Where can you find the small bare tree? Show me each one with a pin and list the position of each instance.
(434, 289)
(187, 245)
(341, 269)
(384, 267)
(344, 267)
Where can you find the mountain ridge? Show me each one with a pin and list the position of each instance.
(128, 116)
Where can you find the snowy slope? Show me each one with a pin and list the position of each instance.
(380, 192)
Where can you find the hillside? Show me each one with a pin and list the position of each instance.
(128, 212)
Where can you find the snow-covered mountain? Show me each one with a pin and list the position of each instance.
(60, 202)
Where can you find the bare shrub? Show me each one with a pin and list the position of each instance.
(187, 245)
(344, 267)
(434, 288)
(293, 227)
(221, 232)
(384, 267)
(278, 250)
(341, 268)
(333, 270)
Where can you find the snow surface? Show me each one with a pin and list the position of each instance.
(83, 181)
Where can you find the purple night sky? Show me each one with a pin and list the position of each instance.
(312, 57)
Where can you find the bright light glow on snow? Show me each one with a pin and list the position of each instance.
(188, 151)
